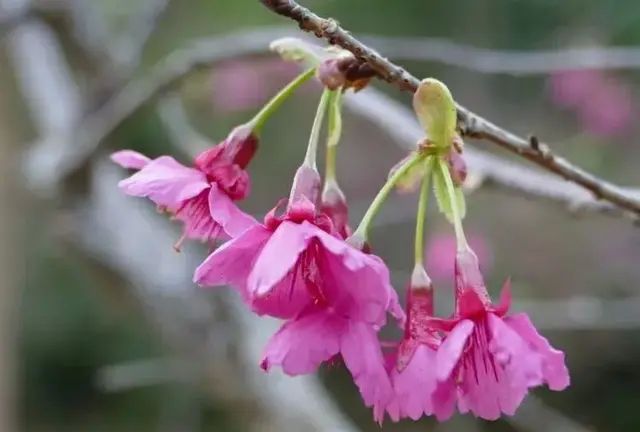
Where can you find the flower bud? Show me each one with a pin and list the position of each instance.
(334, 204)
(237, 148)
(306, 183)
(344, 71)
(457, 166)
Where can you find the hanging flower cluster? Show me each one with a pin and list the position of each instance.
(305, 265)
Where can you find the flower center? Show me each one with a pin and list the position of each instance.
(477, 357)
(195, 215)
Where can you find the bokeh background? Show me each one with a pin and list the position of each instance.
(100, 326)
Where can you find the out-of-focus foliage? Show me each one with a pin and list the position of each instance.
(75, 322)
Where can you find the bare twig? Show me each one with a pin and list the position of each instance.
(471, 124)
(97, 126)
(400, 123)
(141, 28)
(392, 116)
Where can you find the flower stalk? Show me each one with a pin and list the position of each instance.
(361, 233)
(461, 239)
(258, 121)
(422, 212)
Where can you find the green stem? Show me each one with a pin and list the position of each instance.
(334, 128)
(363, 229)
(422, 212)
(258, 121)
(312, 148)
(461, 240)
(330, 165)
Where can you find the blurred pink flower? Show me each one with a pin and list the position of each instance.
(239, 85)
(609, 111)
(441, 252)
(570, 88)
(602, 102)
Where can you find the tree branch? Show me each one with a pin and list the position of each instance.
(392, 117)
(470, 124)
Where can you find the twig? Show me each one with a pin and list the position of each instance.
(97, 126)
(400, 123)
(141, 28)
(471, 124)
(392, 116)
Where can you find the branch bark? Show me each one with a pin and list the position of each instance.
(471, 125)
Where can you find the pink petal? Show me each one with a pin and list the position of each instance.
(166, 182)
(504, 303)
(279, 256)
(287, 299)
(224, 211)
(451, 349)
(554, 368)
(415, 385)
(510, 350)
(496, 374)
(130, 159)
(444, 399)
(231, 263)
(362, 355)
(301, 345)
(358, 283)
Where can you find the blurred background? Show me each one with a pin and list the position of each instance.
(101, 328)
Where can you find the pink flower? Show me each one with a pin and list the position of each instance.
(333, 296)
(571, 88)
(609, 110)
(412, 367)
(201, 197)
(245, 84)
(494, 358)
(602, 102)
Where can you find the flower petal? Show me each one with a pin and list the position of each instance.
(231, 263)
(166, 182)
(554, 368)
(357, 282)
(451, 349)
(415, 384)
(362, 355)
(279, 256)
(223, 210)
(130, 159)
(301, 345)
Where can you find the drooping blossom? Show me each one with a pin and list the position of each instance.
(334, 297)
(494, 358)
(441, 252)
(412, 365)
(202, 196)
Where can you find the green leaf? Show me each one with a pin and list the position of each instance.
(296, 50)
(444, 198)
(436, 111)
(334, 127)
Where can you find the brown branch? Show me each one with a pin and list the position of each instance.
(471, 124)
